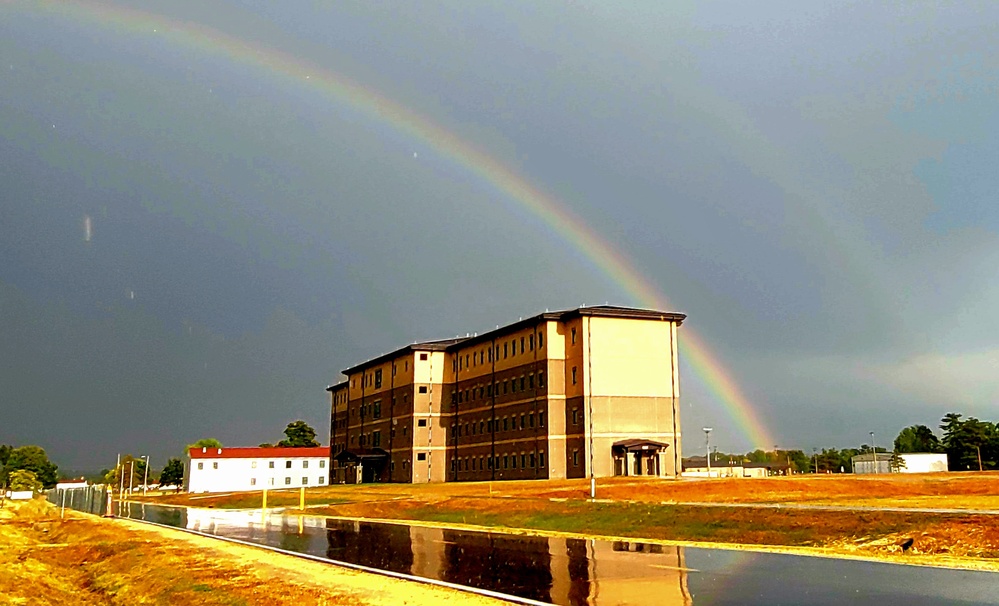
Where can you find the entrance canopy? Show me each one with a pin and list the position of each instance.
(361, 455)
(637, 445)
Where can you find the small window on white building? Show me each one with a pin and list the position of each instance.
(253, 481)
(322, 464)
(305, 480)
(322, 479)
(271, 481)
(215, 465)
(253, 465)
(287, 464)
(201, 465)
(270, 464)
(305, 464)
(287, 481)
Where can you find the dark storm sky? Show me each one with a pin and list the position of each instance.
(814, 184)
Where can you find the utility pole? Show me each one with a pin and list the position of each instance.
(131, 472)
(979, 449)
(707, 447)
(874, 453)
(145, 478)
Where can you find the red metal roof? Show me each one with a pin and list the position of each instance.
(257, 452)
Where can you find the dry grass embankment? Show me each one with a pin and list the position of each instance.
(87, 560)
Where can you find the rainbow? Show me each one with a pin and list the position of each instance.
(501, 178)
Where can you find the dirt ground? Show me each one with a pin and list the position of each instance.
(88, 560)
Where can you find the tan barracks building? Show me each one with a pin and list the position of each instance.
(524, 401)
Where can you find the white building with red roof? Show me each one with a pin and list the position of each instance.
(256, 468)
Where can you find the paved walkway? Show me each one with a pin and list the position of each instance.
(806, 506)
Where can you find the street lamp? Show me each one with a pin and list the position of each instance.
(145, 475)
(707, 447)
(874, 453)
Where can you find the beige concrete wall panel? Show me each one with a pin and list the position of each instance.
(630, 357)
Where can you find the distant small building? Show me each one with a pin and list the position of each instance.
(257, 468)
(872, 463)
(924, 462)
(71, 484)
(697, 467)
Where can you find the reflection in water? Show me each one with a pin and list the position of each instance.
(579, 571)
(557, 570)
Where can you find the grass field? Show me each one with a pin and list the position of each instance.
(661, 509)
(87, 560)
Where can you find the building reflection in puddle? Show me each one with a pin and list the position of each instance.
(548, 569)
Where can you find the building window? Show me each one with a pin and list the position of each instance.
(541, 380)
(322, 479)
(514, 457)
(201, 465)
(490, 354)
(541, 340)
(530, 419)
(377, 410)
(573, 375)
(505, 427)
(215, 465)
(523, 460)
(522, 345)
(305, 480)
(253, 465)
(423, 389)
(481, 426)
(287, 481)
(530, 381)
(271, 481)
(575, 458)
(270, 464)
(287, 464)
(376, 439)
(506, 461)
(541, 419)
(506, 350)
(532, 459)
(575, 416)
(513, 385)
(405, 464)
(573, 336)
(378, 378)
(322, 464)
(421, 423)
(253, 481)
(522, 421)
(522, 383)
(530, 342)
(541, 459)
(466, 360)
(504, 387)
(423, 357)
(422, 456)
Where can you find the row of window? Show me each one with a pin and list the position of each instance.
(523, 383)
(270, 464)
(376, 377)
(483, 426)
(287, 481)
(523, 460)
(509, 349)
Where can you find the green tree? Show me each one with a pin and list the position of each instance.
(917, 438)
(33, 459)
(896, 463)
(23, 479)
(299, 435)
(173, 473)
(203, 443)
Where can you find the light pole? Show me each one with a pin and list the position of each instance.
(145, 475)
(707, 447)
(815, 454)
(874, 453)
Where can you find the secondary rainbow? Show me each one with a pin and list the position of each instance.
(553, 214)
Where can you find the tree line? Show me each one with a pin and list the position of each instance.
(969, 443)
